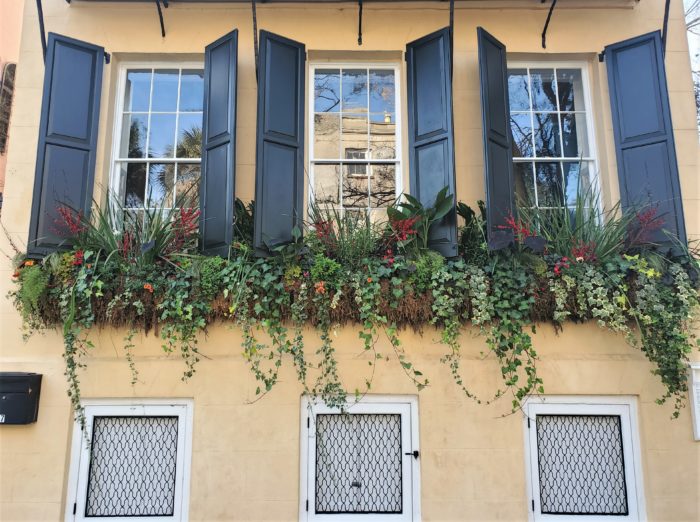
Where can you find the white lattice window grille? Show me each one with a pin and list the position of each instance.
(136, 464)
(355, 136)
(360, 465)
(158, 134)
(551, 129)
(583, 459)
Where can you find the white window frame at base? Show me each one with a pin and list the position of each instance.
(623, 406)
(407, 407)
(80, 458)
(695, 397)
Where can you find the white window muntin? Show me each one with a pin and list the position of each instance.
(80, 454)
(694, 391)
(117, 181)
(623, 407)
(590, 159)
(340, 160)
(407, 407)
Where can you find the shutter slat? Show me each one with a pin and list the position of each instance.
(646, 153)
(498, 161)
(217, 184)
(65, 163)
(279, 173)
(430, 139)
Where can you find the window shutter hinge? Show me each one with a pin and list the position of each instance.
(528, 424)
(533, 505)
(75, 507)
(308, 423)
(307, 504)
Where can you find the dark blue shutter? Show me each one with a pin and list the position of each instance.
(217, 185)
(279, 171)
(65, 162)
(498, 161)
(430, 138)
(646, 154)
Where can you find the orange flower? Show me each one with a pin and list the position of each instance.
(320, 287)
(16, 274)
(29, 262)
(89, 265)
(149, 287)
(369, 279)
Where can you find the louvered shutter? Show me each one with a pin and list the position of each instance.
(279, 173)
(498, 163)
(431, 142)
(217, 185)
(646, 154)
(65, 163)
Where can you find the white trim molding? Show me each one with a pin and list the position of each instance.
(404, 405)
(694, 391)
(623, 407)
(78, 476)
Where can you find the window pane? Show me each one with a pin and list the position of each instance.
(355, 189)
(138, 90)
(135, 184)
(161, 136)
(581, 465)
(187, 187)
(521, 131)
(381, 91)
(326, 184)
(355, 90)
(576, 178)
(165, 90)
(524, 184)
(327, 136)
(570, 86)
(547, 144)
(354, 132)
(327, 90)
(189, 136)
(544, 96)
(382, 138)
(518, 90)
(382, 185)
(133, 142)
(191, 90)
(161, 181)
(574, 135)
(549, 185)
(132, 469)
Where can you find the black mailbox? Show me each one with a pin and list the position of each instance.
(19, 397)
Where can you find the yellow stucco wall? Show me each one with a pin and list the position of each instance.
(245, 462)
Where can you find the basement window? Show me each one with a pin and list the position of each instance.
(583, 459)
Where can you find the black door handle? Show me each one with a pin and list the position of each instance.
(415, 453)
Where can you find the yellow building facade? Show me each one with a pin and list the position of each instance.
(248, 459)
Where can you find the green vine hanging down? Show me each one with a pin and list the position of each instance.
(144, 273)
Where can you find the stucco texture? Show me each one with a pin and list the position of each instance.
(246, 457)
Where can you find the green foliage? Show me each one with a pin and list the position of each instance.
(420, 217)
(472, 234)
(348, 237)
(244, 221)
(348, 276)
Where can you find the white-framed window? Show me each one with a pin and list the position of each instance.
(552, 130)
(136, 465)
(156, 152)
(355, 136)
(363, 464)
(583, 458)
(695, 397)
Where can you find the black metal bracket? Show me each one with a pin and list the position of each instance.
(160, 15)
(255, 36)
(40, 13)
(665, 27)
(359, 22)
(415, 453)
(546, 24)
(601, 57)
